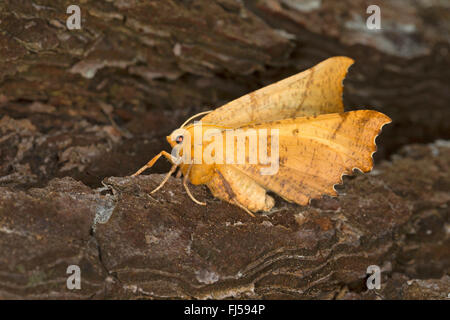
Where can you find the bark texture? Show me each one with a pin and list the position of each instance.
(129, 244)
(78, 107)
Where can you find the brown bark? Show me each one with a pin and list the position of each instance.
(129, 244)
(84, 106)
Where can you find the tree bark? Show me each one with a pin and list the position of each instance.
(78, 107)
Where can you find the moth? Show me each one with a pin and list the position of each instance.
(316, 142)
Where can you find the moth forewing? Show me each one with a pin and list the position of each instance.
(314, 152)
(317, 90)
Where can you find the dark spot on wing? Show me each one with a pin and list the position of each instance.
(227, 186)
(344, 117)
(303, 98)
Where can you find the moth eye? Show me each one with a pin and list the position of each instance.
(179, 139)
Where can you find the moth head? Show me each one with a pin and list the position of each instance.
(182, 135)
(178, 137)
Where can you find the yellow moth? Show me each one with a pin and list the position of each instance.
(296, 130)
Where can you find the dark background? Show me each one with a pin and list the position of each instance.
(98, 102)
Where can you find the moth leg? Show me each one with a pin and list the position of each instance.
(179, 173)
(187, 189)
(152, 162)
(172, 170)
(243, 208)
